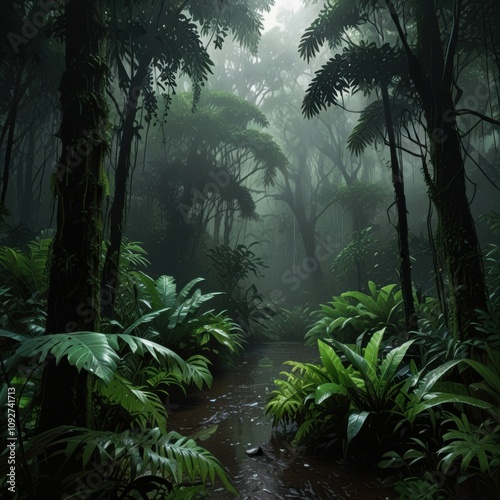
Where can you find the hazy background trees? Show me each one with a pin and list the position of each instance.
(343, 147)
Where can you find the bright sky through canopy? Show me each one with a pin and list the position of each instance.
(270, 19)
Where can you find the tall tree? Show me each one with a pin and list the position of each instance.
(164, 40)
(432, 72)
(74, 290)
(432, 68)
(203, 171)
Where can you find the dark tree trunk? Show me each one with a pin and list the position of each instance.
(456, 231)
(26, 208)
(402, 223)
(228, 223)
(117, 211)
(307, 227)
(74, 289)
(432, 74)
(217, 223)
(311, 265)
(10, 137)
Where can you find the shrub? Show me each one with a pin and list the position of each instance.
(354, 315)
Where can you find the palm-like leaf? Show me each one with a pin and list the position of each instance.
(234, 109)
(334, 20)
(131, 455)
(354, 314)
(144, 406)
(97, 353)
(28, 268)
(84, 350)
(165, 454)
(359, 67)
(370, 128)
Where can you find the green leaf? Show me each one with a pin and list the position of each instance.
(355, 422)
(330, 360)
(84, 350)
(144, 405)
(444, 398)
(147, 318)
(325, 391)
(372, 349)
(390, 364)
(357, 361)
(426, 384)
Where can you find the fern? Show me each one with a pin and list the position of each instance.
(370, 128)
(157, 459)
(144, 406)
(332, 23)
(97, 353)
(359, 67)
(353, 315)
(29, 268)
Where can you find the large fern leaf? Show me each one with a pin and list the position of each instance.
(152, 451)
(97, 353)
(370, 128)
(84, 350)
(334, 20)
(145, 406)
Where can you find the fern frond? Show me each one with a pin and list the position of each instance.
(144, 406)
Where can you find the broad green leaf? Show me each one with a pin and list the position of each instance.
(357, 361)
(147, 318)
(330, 360)
(355, 422)
(144, 405)
(489, 376)
(364, 299)
(372, 349)
(325, 391)
(390, 364)
(165, 292)
(444, 398)
(426, 384)
(183, 294)
(84, 350)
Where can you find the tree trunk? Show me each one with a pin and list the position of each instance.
(228, 223)
(10, 136)
(311, 266)
(402, 224)
(74, 287)
(117, 212)
(456, 230)
(26, 191)
(217, 222)
(432, 75)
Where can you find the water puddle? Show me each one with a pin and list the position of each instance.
(229, 420)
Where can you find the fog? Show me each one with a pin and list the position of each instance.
(194, 191)
(211, 169)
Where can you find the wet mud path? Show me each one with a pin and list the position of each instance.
(228, 420)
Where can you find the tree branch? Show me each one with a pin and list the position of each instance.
(452, 44)
(413, 62)
(488, 119)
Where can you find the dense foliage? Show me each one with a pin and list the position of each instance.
(324, 174)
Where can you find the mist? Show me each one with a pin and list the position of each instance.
(200, 183)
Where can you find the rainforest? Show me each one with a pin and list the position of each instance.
(250, 249)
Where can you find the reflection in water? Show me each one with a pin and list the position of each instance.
(229, 419)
